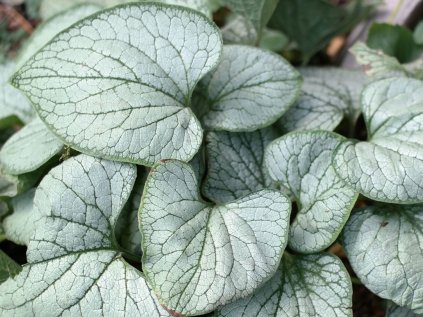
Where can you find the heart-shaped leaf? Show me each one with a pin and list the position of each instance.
(305, 285)
(384, 245)
(301, 163)
(73, 251)
(328, 96)
(47, 30)
(20, 226)
(29, 148)
(250, 89)
(118, 83)
(389, 167)
(235, 164)
(197, 256)
(13, 104)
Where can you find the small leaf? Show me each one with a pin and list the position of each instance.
(273, 40)
(393, 310)
(106, 93)
(13, 104)
(301, 162)
(394, 40)
(8, 267)
(11, 185)
(47, 30)
(418, 33)
(305, 285)
(257, 12)
(29, 148)
(328, 96)
(384, 245)
(312, 24)
(74, 265)
(197, 256)
(20, 226)
(235, 164)
(376, 63)
(250, 89)
(389, 167)
(239, 30)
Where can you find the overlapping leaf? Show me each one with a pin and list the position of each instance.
(250, 89)
(106, 92)
(377, 63)
(13, 104)
(301, 163)
(384, 245)
(20, 226)
(389, 167)
(393, 310)
(8, 267)
(74, 267)
(29, 148)
(235, 164)
(328, 96)
(256, 12)
(308, 285)
(197, 256)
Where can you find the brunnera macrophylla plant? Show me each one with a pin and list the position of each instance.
(162, 172)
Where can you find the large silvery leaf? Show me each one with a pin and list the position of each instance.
(29, 148)
(315, 285)
(47, 30)
(8, 267)
(235, 164)
(301, 163)
(20, 226)
(73, 251)
(256, 12)
(384, 245)
(13, 104)
(389, 167)
(328, 96)
(250, 89)
(118, 83)
(197, 256)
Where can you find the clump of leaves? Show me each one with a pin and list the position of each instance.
(163, 172)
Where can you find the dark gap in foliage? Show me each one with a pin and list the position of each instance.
(15, 251)
(219, 17)
(294, 211)
(360, 132)
(131, 261)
